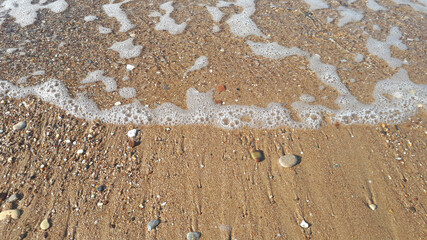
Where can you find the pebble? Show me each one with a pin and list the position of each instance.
(304, 224)
(288, 161)
(80, 151)
(101, 188)
(193, 235)
(44, 225)
(257, 155)
(20, 126)
(373, 206)
(152, 224)
(132, 133)
(13, 198)
(221, 88)
(14, 213)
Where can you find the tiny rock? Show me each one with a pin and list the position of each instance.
(20, 126)
(221, 88)
(132, 133)
(13, 213)
(153, 224)
(304, 224)
(44, 225)
(288, 161)
(373, 206)
(193, 235)
(80, 151)
(132, 143)
(13, 198)
(257, 155)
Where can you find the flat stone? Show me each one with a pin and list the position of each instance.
(193, 235)
(257, 155)
(304, 224)
(132, 133)
(13, 198)
(44, 225)
(373, 206)
(288, 161)
(20, 125)
(13, 213)
(152, 224)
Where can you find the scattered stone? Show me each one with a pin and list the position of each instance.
(13, 198)
(80, 152)
(304, 224)
(221, 88)
(132, 143)
(152, 224)
(193, 235)
(412, 209)
(132, 133)
(101, 188)
(257, 155)
(44, 225)
(373, 206)
(288, 161)
(13, 213)
(20, 126)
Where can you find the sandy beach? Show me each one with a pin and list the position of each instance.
(87, 179)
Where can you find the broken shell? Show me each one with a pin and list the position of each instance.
(44, 225)
(373, 206)
(14, 213)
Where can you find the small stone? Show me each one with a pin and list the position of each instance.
(20, 126)
(80, 151)
(13, 213)
(288, 161)
(221, 88)
(193, 235)
(304, 224)
(132, 133)
(13, 198)
(257, 155)
(152, 224)
(44, 225)
(132, 143)
(101, 188)
(373, 206)
(412, 209)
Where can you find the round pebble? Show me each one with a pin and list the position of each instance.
(45, 224)
(80, 151)
(193, 235)
(152, 224)
(13, 198)
(13, 213)
(288, 161)
(132, 133)
(20, 126)
(373, 206)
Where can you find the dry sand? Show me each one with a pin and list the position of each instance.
(201, 178)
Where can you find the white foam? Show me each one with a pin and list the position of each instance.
(104, 30)
(417, 7)
(316, 4)
(39, 73)
(382, 49)
(25, 12)
(98, 76)
(216, 14)
(376, 27)
(127, 92)
(307, 98)
(373, 5)
(90, 18)
(348, 15)
(200, 63)
(274, 50)
(127, 49)
(359, 58)
(241, 23)
(166, 22)
(114, 10)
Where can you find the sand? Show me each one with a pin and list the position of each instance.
(202, 178)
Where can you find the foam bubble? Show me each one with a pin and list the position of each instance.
(241, 24)
(359, 58)
(216, 14)
(348, 15)
(114, 10)
(166, 22)
(126, 49)
(274, 50)
(307, 98)
(104, 30)
(316, 4)
(200, 62)
(373, 5)
(382, 49)
(127, 92)
(98, 76)
(25, 12)
(90, 18)
(417, 7)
